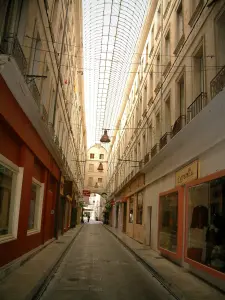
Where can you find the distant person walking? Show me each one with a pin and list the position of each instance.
(88, 218)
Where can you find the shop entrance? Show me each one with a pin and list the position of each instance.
(149, 225)
(124, 216)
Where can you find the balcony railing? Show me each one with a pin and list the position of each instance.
(44, 114)
(218, 82)
(178, 125)
(195, 108)
(146, 158)
(34, 91)
(12, 47)
(154, 150)
(164, 140)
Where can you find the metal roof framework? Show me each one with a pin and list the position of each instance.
(111, 31)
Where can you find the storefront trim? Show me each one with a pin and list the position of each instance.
(178, 254)
(196, 264)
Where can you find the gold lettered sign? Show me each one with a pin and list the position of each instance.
(187, 174)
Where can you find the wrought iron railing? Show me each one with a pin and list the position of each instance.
(178, 125)
(196, 106)
(164, 140)
(34, 91)
(154, 150)
(44, 114)
(146, 158)
(218, 82)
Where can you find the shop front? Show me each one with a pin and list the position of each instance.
(205, 224)
(191, 223)
(131, 209)
(171, 214)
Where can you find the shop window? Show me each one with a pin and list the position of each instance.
(131, 210)
(36, 202)
(139, 208)
(92, 156)
(101, 156)
(10, 194)
(168, 219)
(206, 223)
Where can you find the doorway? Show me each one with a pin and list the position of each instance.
(149, 225)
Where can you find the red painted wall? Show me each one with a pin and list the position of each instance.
(20, 143)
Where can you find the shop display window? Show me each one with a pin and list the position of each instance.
(131, 210)
(206, 224)
(35, 210)
(139, 208)
(6, 181)
(168, 221)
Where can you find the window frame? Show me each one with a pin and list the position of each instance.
(15, 199)
(38, 206)
(178, 254)
(92, 154)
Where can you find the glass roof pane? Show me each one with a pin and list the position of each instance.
(111, 30)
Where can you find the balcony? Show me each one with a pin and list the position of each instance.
(154, 150)
(34, 91)
(178, 125)
(44, 114)
(12, 47)
(164, 140)
(218, 82)
(196, 106)
(146, 158)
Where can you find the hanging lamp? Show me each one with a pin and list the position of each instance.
(105, 138)
(100, 167)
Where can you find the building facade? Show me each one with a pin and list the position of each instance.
(96, 167)
(176, 141)
(42, 125)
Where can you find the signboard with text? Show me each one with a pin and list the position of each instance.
(187, 174)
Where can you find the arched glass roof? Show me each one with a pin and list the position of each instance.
(111, 29)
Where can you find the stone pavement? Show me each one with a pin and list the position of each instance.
(99, 267)
(24, 282)
(179, 281)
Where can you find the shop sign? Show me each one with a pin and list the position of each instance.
(187, 174)
(86, 193)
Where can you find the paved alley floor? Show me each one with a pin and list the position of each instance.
(99, 267)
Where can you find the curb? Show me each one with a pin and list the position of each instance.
(6, 270)
(172, 289)
(42, 285)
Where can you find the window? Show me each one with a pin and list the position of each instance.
(220, 41)
(99, 180)
(92, 156)
(206, 221)
(101, 156)
(139, 208)
(90, 181)
(36, 202)
(167, 48)
(91, 168)
(131, 210)
(167, 115)
(199, 76)
(168, 218)
(11, 178)
(181, 110)
(180, 22)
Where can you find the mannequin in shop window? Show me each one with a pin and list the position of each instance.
(199, 217)
(215, 242)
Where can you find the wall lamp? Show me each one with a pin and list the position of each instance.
(105, 138)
